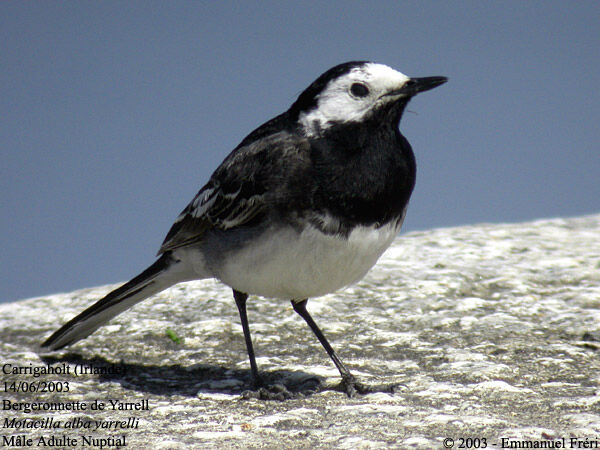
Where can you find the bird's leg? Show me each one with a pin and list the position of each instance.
(348, 381)
(240, 301)
(263, 391)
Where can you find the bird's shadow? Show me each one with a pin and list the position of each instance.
(189, 381)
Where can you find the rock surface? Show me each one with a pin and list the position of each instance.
(491, 332)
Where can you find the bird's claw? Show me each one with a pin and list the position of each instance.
(352, 387)
(268, 392)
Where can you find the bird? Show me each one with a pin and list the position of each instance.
(302, 207)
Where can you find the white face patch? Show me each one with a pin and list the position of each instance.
(340, 102)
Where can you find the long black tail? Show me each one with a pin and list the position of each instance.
(154, 279)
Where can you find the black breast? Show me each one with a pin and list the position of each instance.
(364, 172)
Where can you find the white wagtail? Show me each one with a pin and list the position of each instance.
(303, 206)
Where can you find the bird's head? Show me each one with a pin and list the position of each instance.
(353, 92)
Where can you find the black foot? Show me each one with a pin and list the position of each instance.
(275, 389)
(352, 387)
(271, 392)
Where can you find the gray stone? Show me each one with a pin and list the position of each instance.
(489, 331)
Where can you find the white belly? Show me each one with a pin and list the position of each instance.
(291, 265)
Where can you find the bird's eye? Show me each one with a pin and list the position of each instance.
(359, 90)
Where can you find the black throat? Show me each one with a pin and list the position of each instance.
(364, 171)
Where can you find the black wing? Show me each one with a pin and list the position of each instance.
(249, 183)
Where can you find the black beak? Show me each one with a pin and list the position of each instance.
(416, 85)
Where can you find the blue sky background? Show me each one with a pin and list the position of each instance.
(114, 114)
